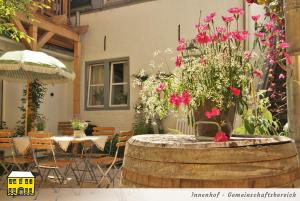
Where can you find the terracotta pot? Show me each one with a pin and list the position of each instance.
(210, 129)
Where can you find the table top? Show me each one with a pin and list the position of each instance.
(189, 141)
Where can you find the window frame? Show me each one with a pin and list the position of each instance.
(107, 85)
(94, 85)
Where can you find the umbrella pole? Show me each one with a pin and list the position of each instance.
(26, 107)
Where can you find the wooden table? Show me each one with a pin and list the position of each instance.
(181, 161)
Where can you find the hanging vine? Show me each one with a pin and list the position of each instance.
(37, 92)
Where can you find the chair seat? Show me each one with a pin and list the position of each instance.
(107, 160)
(18, 160)
(60, 163)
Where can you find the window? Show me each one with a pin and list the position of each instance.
(107, 84)
(119, 84)
(30, 181)
(10, 181)
(26, 181)
(20, 181)
(15, 181)
(26, 190)
(96, 86)
(30, 190)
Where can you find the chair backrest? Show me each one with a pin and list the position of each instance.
(183, 126)
(122, 139)
(65, 128)
(109, 131)
(6, 140)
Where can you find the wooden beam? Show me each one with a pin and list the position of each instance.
(61, 43)
(21, 28)
(76, 83)
(50, 26)
(32, 32)
(44, 39)
(59, 19)
(81, 29)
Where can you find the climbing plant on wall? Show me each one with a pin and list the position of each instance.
(37, 92)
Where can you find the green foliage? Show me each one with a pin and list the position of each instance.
(258, 120)
(9, 9)
(78, 124)
(37, 92)
(140, 126)
(40, 123)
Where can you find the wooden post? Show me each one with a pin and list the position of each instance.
(26, 107)
(33, 32)
(76, 83)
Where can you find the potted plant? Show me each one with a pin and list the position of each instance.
(78, 127)
(40, 124)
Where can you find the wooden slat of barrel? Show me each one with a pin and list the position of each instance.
(181, 161)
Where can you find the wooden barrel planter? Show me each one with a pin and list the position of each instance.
(179, 161)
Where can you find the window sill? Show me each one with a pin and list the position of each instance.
(107, 108)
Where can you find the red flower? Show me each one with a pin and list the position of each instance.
(250, 1)
(181, 45)
(235, 91)
(202, 61)
(284, 45)
(203, 38)
(236, 11)
(178, 61)
(185, 98)
(258, 73)
(213, 113)
(240, 35)
(227, 19)
(203, 27)
(210, 17)
(221, 137)
(255, 18)
(160, 87)
(175, 100)
(259, 34)
(287, 58)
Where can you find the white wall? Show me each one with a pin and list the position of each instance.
(56, 108)
(136, 31)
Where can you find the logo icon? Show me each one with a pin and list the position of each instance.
(20, 183)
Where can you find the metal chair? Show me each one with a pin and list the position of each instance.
(46, 161)
(107, 164)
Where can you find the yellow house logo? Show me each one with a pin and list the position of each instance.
(20, 184)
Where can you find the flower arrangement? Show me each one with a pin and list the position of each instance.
(78, 124)
(40, 123)
(214, 71)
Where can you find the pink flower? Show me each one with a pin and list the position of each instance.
(236, 11)
(227, 19)
(224, 37)
(210, 17)
(258, 73)
(181, 45)
(281, 76)
(247, 55)
(213, 113)
(203, 27)
(271, 61)
(235, 91)
(175, 100)
(255, 18)
(178, 61)
(202, 61)
(287, 58)
(221, 137)
(160, 87)
(259, 34)
(203, 38)
(185, 98)
(240, 35)
(269, 25)
(221, 29)
(284, 45)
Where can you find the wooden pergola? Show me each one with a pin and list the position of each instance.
(52, 26)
